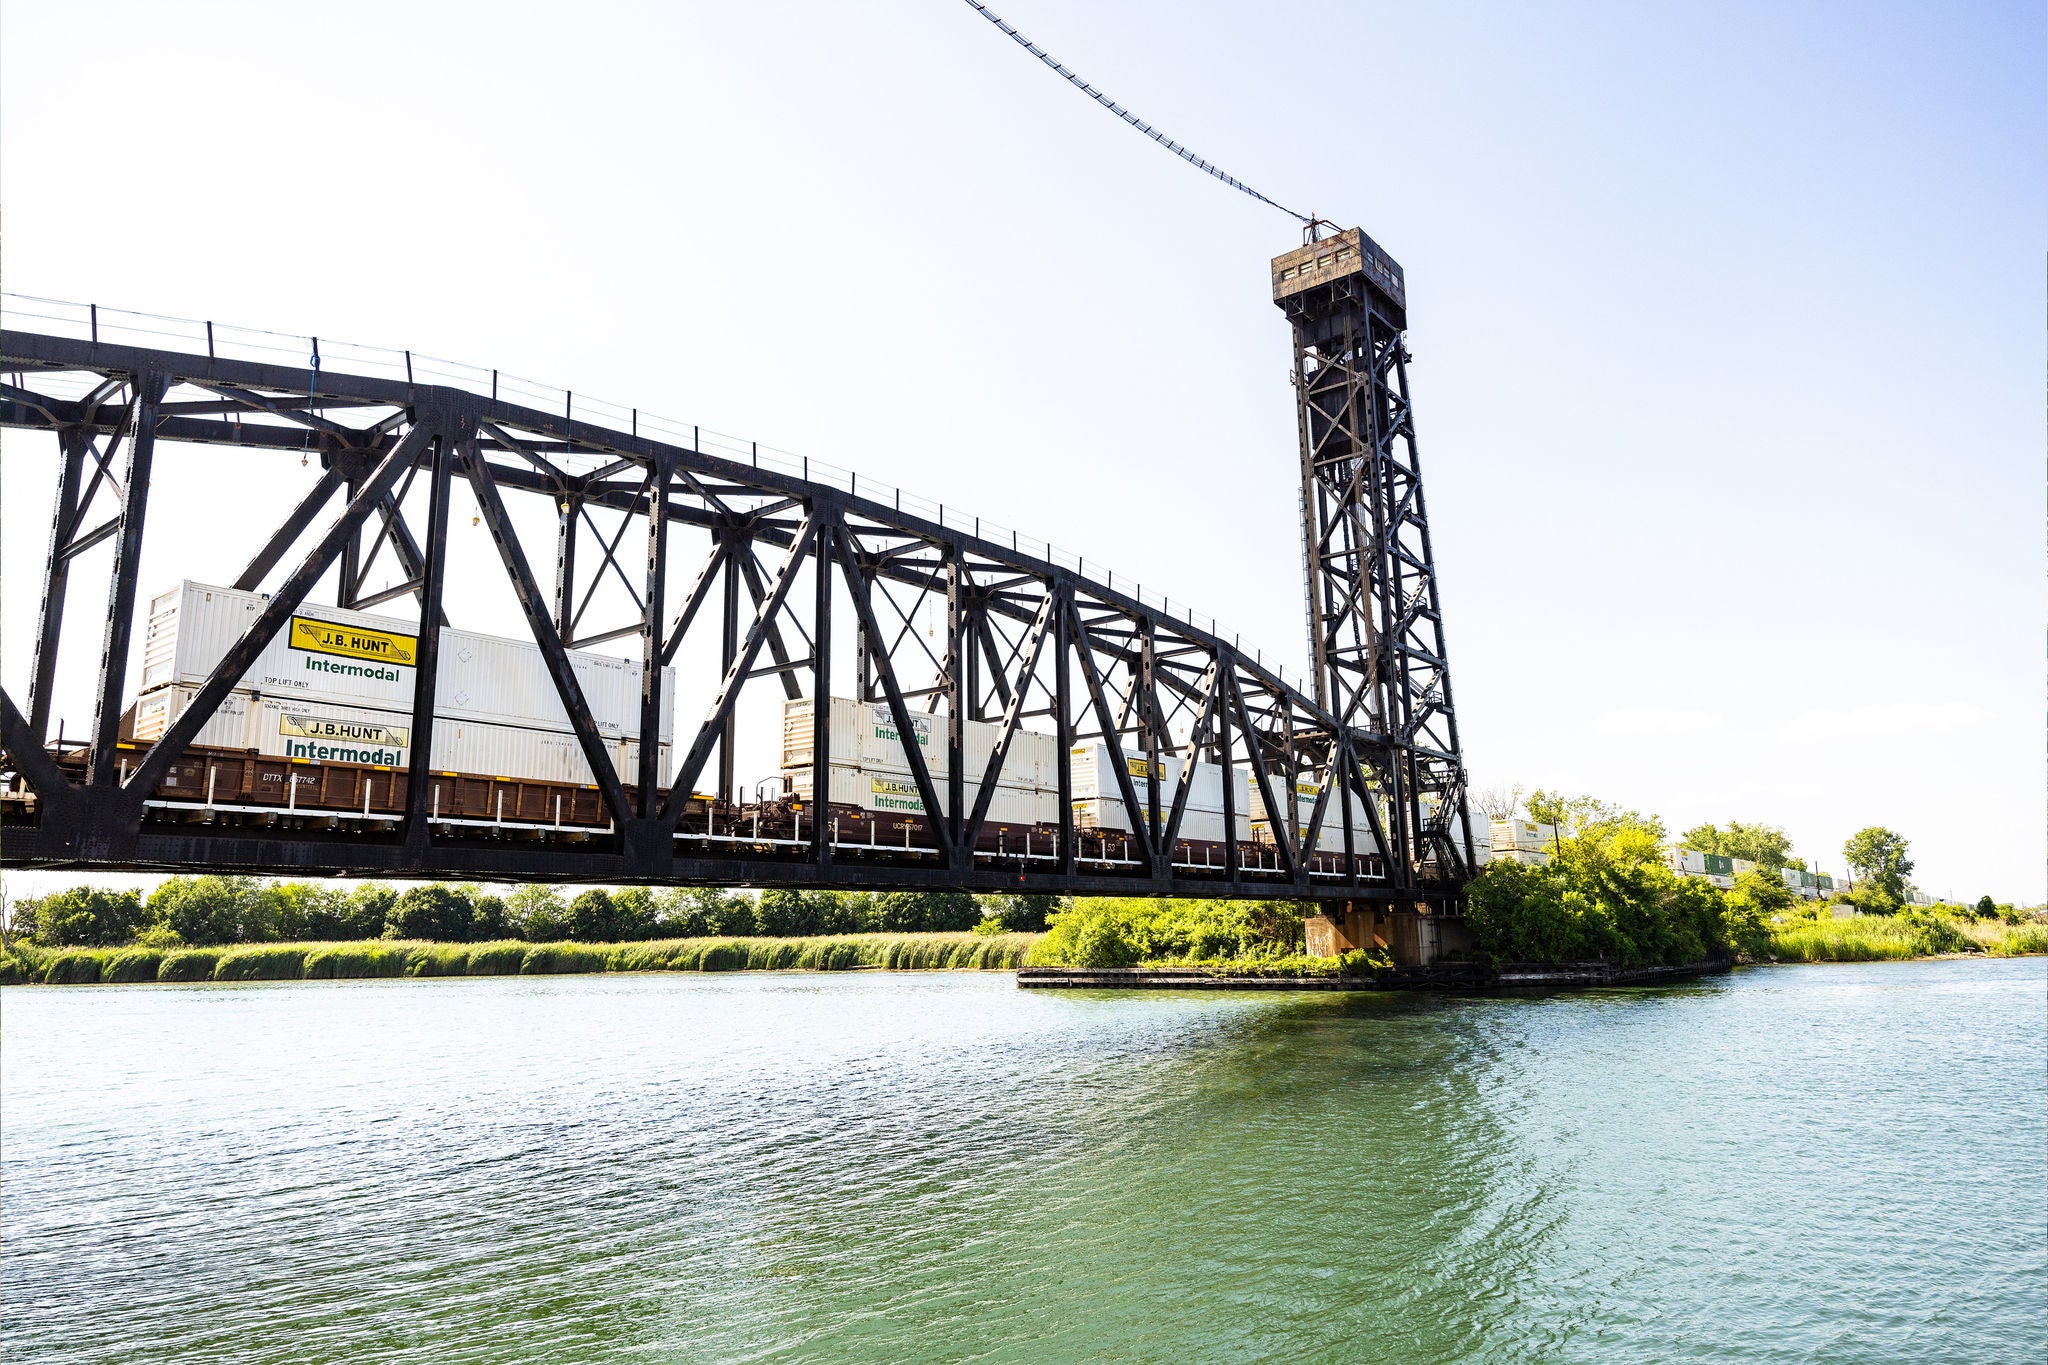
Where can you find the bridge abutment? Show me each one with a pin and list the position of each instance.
(1412, 936)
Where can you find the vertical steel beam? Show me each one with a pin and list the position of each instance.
(828, 524)
(728, 650)
(1148, 720)
(956, 702)
(104, 769)
(1063, 716)
(427, 668)
(653, 610)
(71, 443)
(1226, 677)
(567, 511)
(351, 572)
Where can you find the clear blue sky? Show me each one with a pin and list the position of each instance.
(1727, 319)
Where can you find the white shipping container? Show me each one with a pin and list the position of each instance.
(1099, 802)
(322, 731)
(1525, 834)
(864, 735)
(355, 658)
(1306, 790)
(1528, 857)
(895, 793)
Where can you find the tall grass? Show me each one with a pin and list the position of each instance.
(1866, 938)
(1895, 938)
(388, 958)
(2019, 940)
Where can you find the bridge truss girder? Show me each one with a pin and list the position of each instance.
(704, 557)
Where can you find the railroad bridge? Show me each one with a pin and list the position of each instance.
(674, 549)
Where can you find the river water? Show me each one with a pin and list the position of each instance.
(1837, 1163)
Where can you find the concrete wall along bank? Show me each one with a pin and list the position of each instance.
(871, 768)
(336, 682)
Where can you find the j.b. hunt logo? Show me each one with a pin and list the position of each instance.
(352, 642)
(343, 741)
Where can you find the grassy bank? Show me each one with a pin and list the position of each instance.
(23, 963)
(1897, 938)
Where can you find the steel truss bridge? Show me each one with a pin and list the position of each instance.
(800, 585)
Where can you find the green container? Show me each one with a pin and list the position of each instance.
(1718, 866)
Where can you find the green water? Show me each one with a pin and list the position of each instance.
(1837, 1163)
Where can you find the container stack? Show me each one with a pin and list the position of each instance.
(1524, 841)
(1306, 790)
(870, 764)
(337, 686)
(1099, 800)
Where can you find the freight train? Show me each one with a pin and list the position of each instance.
(317, 734)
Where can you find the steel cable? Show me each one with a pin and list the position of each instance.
(1128, 117)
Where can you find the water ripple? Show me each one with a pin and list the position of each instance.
(1799, 1164)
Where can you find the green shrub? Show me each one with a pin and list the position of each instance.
(496, 959)
(133, 964)
(1865, 938)
(75, 967)
(437, 959)
(20, 962)
(262, 962)
(188, 964)
(356, 960)
(544, 959)
(2021, 940)
(1105, 931)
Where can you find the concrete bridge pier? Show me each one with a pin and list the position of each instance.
(1412, 935)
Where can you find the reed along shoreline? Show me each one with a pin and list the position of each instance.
(387, 958)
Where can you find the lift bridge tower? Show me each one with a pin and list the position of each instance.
(1376, 635)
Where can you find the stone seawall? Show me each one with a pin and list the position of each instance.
(1440, 976)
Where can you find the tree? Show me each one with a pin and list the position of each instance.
(732, 915)
(1021, 914)
(488, 918)
(367, 911)
(784, 912)
(1879, 854)
(593, 918)
(1765, 845)
(1580, 816)
(912, 912)
(87, 917)
(635, 910)
(679, 912)
(434, 912)
(1758, 897)
(202, 910)
(537, 914)
(1987, 908)
(1498, 803)
(325, 912)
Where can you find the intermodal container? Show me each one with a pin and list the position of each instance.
(331, 732)
(354, 658)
